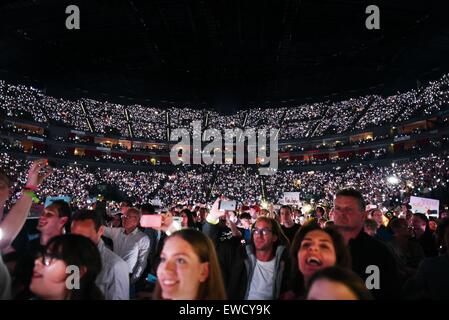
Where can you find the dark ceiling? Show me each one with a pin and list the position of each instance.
(223, 52)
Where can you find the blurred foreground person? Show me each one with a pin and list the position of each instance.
(67, 256)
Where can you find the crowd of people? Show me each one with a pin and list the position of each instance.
(346, 249)
(295, 122)
(193, 184)
(160, 233)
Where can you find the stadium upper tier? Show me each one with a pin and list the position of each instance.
(294, 122)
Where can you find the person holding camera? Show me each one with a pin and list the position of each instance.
(257, 270)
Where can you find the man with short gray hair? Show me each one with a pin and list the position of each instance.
(131, 244)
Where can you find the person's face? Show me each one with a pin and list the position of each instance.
(402, 229)
(286, 216)
(331, 215)
(316, 252)
(130, 220)
(180, 271)
(263, 236)
(433, 225)
(296, 214)
(347, 213)
(246, 223)
(408, 217)
(116, 221)
(49, 277)
(369, 231)
(324, 289)
(418, 224)
(86, 228)
(377, 216)
(185, 220)
(50, 222)
(123, 208)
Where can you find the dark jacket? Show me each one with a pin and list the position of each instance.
(428, 244)
(155, 249)
(366, 251)
(431, 280)
(238, 262)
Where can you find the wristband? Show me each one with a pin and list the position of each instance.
(32, 195)
(31, 187)
(212, 220)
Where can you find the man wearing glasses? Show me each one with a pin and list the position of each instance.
(131, 244)
(258, 270)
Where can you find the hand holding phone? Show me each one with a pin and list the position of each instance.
(227, 205)
(151, 221)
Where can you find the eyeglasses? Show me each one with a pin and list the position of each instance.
(129, 217)
(263, 231)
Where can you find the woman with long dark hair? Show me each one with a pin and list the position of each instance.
(314, 249)
(67, 256)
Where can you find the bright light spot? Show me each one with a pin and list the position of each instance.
(306, 208)
(1, 234)
(264, 205)
(393, 180)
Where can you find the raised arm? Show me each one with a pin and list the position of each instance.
(15, 219)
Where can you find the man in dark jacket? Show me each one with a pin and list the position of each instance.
(422, 233)
(431, 281)
(371, 259)
(257, 270)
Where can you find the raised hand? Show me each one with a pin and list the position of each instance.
(35, 176)
(215, 213)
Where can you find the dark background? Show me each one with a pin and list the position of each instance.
(225, 54)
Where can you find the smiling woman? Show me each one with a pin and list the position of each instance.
(314, 249)
(189, 268)
(50, 275)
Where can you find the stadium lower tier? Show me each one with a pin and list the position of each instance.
(387, 184)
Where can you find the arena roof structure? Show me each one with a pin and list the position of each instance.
(223, 53)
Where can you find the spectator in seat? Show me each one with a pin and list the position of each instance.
(157, 238)
(113, 279)
(51, 223)
(12, 223)
(336, 283)
(407, 250)
(314, 249)
(189, 268)
(382, 233)
(370, 227)
(431, 280)
(349, 217)
(257, 270)
(288, 225)
(49, 281)
(131, 244)
(420, 225)
(188, 220)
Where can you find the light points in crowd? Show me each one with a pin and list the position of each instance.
(393, 180)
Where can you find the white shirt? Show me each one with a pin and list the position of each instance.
(261, 287)
(133, 248)
(113, 279)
